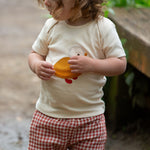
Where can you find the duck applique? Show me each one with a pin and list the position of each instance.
(62, 68)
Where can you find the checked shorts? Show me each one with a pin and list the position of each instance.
(47, 133)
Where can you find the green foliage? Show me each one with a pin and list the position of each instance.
(138, 87)
(129, 3)
(129, 77)
(123, 41)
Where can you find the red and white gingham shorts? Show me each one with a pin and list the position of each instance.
(47, 133)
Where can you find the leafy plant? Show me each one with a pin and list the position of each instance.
(138, 87)
(129, 3)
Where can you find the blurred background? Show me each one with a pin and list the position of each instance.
(127, 97)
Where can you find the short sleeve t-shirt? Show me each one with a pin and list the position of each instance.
(79, 96)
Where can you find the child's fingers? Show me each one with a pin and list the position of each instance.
(44, 78)
(47, 65)
(73, 66)
(72, 61)
(48, 70)
(45, 71)
(76, 71)
(44, 75)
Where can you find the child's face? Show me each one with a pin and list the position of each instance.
(62, 12)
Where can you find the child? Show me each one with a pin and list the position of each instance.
(73, 53)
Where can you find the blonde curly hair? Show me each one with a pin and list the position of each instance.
(83, 8)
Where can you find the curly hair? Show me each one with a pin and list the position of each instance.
(83, 8)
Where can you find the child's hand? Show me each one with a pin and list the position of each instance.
(80, 64)
(44, 70)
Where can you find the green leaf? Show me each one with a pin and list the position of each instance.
(129, 78)
(129, 3)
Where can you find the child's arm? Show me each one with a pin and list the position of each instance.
(108, 67)
(38, 65)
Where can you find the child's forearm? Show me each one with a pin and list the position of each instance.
(109, 66)
(32, 60)
(44, 70)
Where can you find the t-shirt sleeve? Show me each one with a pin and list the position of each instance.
(41, 43)
(112, 46)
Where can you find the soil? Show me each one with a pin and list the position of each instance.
(21, 21)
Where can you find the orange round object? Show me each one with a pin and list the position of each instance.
(62, 69)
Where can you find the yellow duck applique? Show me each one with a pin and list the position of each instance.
(62, 70)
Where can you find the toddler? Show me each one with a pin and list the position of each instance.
(73, 53)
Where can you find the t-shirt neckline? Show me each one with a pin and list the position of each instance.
(78, 26)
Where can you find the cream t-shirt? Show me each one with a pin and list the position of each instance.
(83, 97)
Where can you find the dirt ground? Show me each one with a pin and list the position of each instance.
(20, 23)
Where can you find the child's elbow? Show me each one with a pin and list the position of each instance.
(123, 65)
